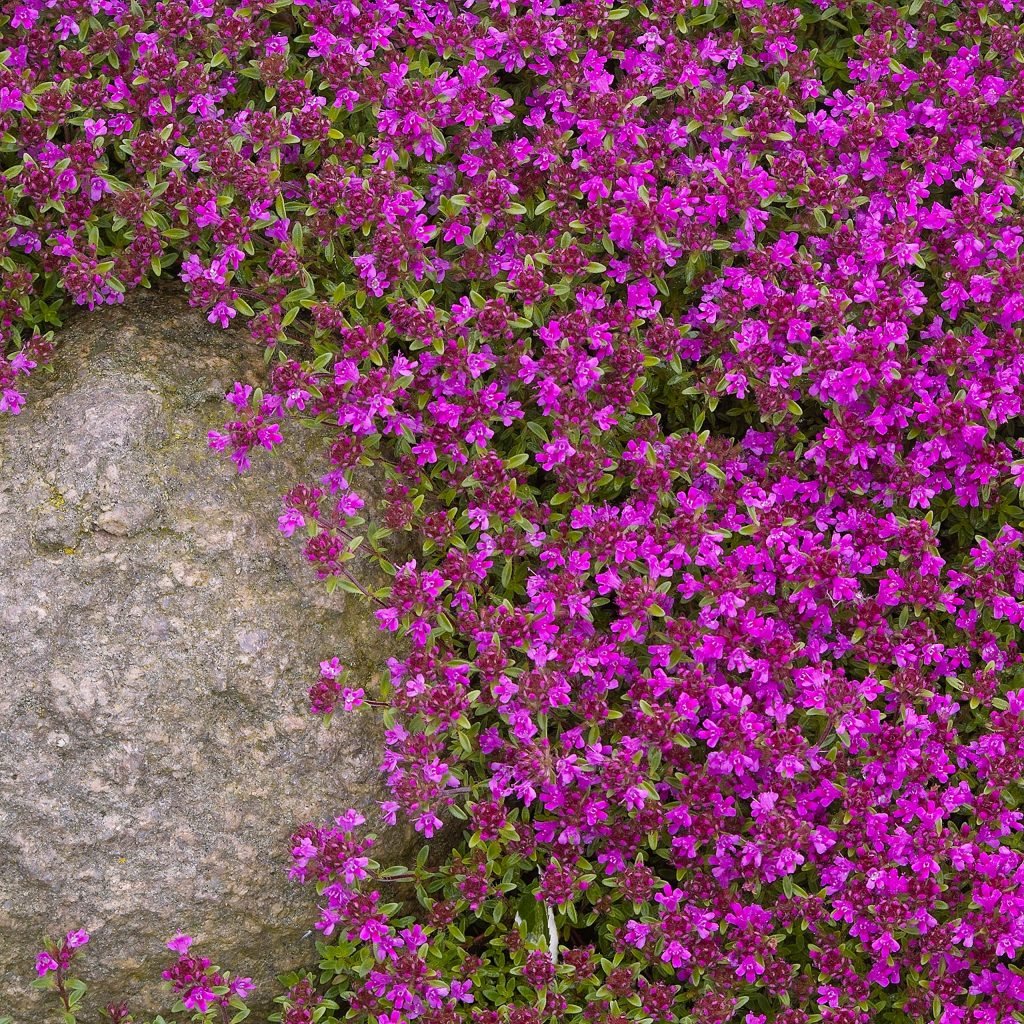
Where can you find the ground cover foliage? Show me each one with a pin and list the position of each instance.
(689, 337)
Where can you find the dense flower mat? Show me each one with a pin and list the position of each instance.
(689, 335)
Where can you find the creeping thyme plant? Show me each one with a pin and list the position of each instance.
(687, 335)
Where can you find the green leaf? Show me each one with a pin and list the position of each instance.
(536, 428)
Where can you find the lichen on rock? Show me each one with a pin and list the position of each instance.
(156, 635)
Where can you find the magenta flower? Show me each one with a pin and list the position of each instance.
(352, 698)
(350, 820)
(206, 214)
(45, 963)
(198, 998)
(10, 99)
(388, 618)
(11, 401)
(332, 668)
(290, 521)
(242, 987)
(222, 314)
(462, 991)
(180, 943)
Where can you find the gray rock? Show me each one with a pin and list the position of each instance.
(157, 635)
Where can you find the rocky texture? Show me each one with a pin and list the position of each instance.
(156, 637)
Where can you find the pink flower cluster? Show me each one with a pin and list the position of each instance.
(687, 336)
(57, 958)
(401, 977)
(200, 986)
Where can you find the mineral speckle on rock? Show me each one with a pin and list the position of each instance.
(156, 637)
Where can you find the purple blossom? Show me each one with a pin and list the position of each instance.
(180, 943)
(198, 998)
(222, 314)
(45, 963)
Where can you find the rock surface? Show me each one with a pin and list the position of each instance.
(156, 637)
